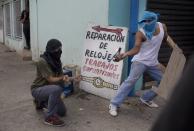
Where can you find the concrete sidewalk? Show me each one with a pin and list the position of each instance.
(85, 112)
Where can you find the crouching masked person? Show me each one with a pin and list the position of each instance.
(47, 87)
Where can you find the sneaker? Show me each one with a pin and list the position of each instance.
(149, 103)
(113, 110)
(54, 121)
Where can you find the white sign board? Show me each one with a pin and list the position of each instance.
(100, 74)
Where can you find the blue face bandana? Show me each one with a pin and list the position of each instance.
(148, 22)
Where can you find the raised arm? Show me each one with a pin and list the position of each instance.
(167, 38)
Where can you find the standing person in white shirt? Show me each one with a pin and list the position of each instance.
(145, 51)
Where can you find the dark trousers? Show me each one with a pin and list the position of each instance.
(26, 30)
(50, 94)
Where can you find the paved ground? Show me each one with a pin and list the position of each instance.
(85, 112)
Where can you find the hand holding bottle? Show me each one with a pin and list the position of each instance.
(119, 57)
(115, 57)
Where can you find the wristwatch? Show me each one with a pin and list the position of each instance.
(99, 82)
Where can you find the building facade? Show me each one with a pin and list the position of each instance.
(65, 20)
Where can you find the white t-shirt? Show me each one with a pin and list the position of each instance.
(148, 53)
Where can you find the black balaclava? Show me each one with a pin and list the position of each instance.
(53, 54)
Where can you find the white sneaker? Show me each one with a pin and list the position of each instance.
(113, 110)
(149, 103)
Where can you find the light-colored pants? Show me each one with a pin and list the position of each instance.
(137, 70)
(51, 94)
